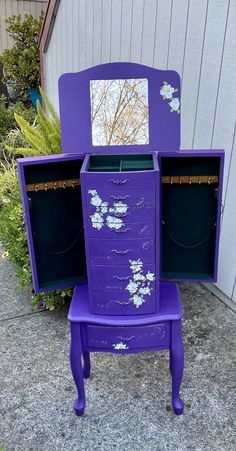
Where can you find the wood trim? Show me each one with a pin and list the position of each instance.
(45, 34)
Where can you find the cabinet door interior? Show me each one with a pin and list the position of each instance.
(55, 224)
(190, 217)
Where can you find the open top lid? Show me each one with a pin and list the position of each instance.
(120, 107)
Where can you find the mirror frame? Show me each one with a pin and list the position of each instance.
(75, 110)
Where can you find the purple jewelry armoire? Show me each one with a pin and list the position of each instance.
(122, 215)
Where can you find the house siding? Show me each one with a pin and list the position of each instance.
(195, 38)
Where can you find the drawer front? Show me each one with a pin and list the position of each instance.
(116, 278)
(126, 339)
(120, 229)
(119, 303)
(131, 197)
(120, 180)
(108, 252)
(129, 214)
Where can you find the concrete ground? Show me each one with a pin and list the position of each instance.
(128, 397)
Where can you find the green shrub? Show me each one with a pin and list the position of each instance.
(44, 135)
(21, 63)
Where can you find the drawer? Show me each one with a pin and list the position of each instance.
(120, 229)
(108, 252)
(120, 180)
(119, 303)
(131, 197)
(116, 278)
(126, 339)
(123, 212)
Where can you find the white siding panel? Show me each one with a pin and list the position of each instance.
(227, 261)
(191, 69)
(116, 30)
(106, 31)
(149, 29)
(161, 45)
(194, 37)
(97, 32)
(212, 54)
(126, 27)
(137, 31)
(88, 33)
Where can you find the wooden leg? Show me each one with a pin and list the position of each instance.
(76, 367)
(176, 365)
(86, 368)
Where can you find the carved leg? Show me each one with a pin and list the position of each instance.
(76, 367)
(86, 368)
(176, 365)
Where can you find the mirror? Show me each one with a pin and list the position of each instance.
(119, 112)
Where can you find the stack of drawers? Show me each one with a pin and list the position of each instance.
(120, 232)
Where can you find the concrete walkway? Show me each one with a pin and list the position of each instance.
(128, 397)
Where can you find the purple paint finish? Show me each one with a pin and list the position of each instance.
(119, 303)
(138, 197)
(74, 97)
(126, 335)
(105, 252)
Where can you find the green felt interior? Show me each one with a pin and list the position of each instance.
(57, 225)
(189, 213)
(119, 163)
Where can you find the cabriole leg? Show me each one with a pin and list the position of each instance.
(86, 368)
(176, 365)
(76, 367)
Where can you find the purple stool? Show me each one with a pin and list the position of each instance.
(126, 335)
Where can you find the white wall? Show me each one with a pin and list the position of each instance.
(195, 37)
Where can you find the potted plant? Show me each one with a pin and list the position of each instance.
(21, 63)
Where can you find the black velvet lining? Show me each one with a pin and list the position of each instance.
(188, 215)
(119, 163)
(57, 225)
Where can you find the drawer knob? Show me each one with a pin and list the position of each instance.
(119, 182)
(121, 231)
(122, 302)
(126, 338)
(121, 277)
(119, 197)
(122, 252)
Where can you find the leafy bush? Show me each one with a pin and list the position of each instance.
(44, 136)
(21, 62)
(7, 120)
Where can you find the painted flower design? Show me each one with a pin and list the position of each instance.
(138, 300)
(114, 223)
(174, 104)
(150, 276)
(120, 207)
(102, 208)
(136, 265)
(132, 287)
(167, 92)
(120, 345)
(97, 221)
(140, 285)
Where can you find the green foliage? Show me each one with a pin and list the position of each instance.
(21, 63)
(7, 120)
(43, 137)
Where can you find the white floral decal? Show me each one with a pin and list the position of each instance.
(102, 208)
(120, 346)
(139, 285)
(167, 92)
